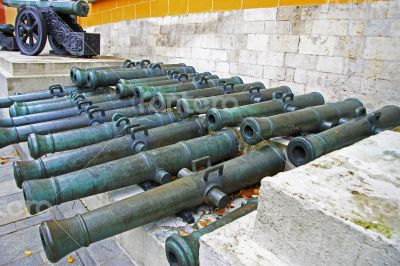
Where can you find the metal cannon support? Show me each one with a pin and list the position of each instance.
(190, 107)
(311, 119)
(158, 165)
(38, 20)
(184, 250)
(139, 138)
(7, 38)
(207, 186)
(229, 117)
(302, 150)
(146, 93)
(40, 145)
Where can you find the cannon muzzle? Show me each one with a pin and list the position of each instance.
(207, 186)
(302, 150)
(184, 250)
(310, 119)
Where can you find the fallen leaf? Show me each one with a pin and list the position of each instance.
(28, 252)
(208, 220)
(183, 233)
(4, 160)
(220, 211)
(15, 153)
(202, 223)
(25, 209)
(70, 259)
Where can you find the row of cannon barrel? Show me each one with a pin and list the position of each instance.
(169, 126)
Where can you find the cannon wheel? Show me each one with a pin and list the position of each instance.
(30, 31)
(57, 47)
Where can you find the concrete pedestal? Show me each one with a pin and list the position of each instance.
(20, 73)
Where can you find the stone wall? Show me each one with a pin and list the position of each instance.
(350, 50)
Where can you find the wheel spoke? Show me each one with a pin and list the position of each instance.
(31, 40)
(35, 26)
(24, 38)
(36, 36)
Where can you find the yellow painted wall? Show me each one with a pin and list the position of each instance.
(108, 11)
(10, 13)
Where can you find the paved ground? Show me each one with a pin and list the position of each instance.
(19, 230)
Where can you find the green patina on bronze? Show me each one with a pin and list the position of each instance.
(229, 117)
(310, 119)
(79, 8)
(189, 107)
(207, 186)
(302, 150)
(140, 138)
(146, 93)
(158, 165)
(184, 250)
(91, 117)
(111, 77)
(163, 101)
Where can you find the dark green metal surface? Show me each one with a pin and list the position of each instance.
(163, 101)
(94, 116)
(79, 76)
(7, 28)
(189, 107)
(53, 93)
(229, 117)
(311, 119)
(40, 145)
(158, 165)
(142, 137)
(126, 88)
(184, 250)
(79, 8)
(302, 150)
(20, 109)
(146, 93)
(110, 78)
(210, 185)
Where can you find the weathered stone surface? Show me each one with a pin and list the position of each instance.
(340, 209)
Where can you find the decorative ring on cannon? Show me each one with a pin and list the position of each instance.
(38, 21)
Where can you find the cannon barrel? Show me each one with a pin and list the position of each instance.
(184, 250)
(146, 93)
(126, 88)
(7, 28)
(302, 150)
(40, 145)
(53, 91)
(21, 109)
(142, 137)
(78, 8)
(79, 76)
(229, 117)
(211, 185)
(163, 101)
(310, 119)
(94, 116)
(64, 113)
(189, 107)
(158, 165)
(102, 78)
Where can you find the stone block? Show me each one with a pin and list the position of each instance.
(277, 27)
(201, 53)
(331, 64)
(301, 27)
(222, 67)
(329, 27)
(288, 13)
(268, 58)
(302, 61)
(247, 56)
(378, 10)
(257, 41)
(357, 28)
(382, 48)
(276, 73)
(318, 45)
(250, 27)
(284, 43)
(219, 55)
(257, 14)
(311, 78)
(341, 209)
(379, 27)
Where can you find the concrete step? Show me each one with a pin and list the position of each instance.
(20, 73)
